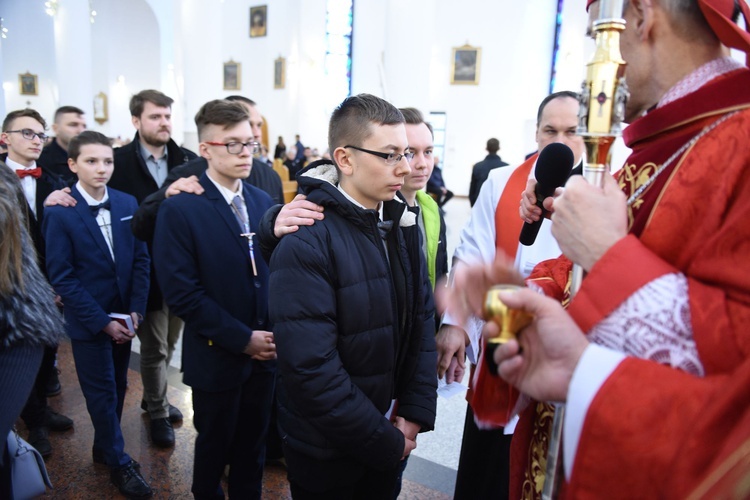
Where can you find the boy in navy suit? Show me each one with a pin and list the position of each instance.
(214, 279)
(98, 268)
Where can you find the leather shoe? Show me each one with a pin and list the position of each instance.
(129, 481)
(53, 387)
(175, 415)
(57, 422)
(39, 439)
(162, 433)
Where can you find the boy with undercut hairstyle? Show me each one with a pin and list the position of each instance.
(353, 314)
(99, 268)
(212, 278)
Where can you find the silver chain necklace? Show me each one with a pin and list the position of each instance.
(679, 152)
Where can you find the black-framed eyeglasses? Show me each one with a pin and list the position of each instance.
(235, 148)
(29, 134)
(390, 158)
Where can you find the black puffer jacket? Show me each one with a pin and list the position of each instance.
(342, 357)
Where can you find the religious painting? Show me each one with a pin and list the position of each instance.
(232, 75)
(101, 111)
(279, 73)
(465, 65)
(27, 84)
(258, 20)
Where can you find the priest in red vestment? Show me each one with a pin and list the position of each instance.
(664, 245)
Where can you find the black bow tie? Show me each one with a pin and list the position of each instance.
(95, 208)
(384, 227)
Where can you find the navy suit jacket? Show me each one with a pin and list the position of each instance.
(205, 270)
(81, 268)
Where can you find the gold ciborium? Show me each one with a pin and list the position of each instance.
(510, 321)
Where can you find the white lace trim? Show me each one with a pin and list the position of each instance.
(654, 323)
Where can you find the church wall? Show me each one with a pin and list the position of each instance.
(401, 51)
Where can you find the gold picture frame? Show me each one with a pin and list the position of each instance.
(279, 73)
(258, 21)
(101, 108)
(465, 65)
(27, 84)
(232, 75)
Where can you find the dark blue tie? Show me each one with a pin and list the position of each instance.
(95, 208)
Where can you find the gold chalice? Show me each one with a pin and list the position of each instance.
(510, 321)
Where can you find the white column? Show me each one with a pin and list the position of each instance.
(73, 55)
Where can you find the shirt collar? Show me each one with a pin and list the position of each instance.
(17, 166)
(698, 78)
(146, 154)
(227, 194)
(88, 198)
(358, 204)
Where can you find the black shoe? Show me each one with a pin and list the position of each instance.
(39, 439)
(57, 422)
(129, 481)
(175, 415)
(53, 386)
(162, 433)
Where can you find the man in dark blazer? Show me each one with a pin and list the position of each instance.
(23, 133)
(185, 178)
(215, 279)
(140, 169)
(482, 169)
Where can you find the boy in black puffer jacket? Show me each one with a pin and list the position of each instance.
(354, 315)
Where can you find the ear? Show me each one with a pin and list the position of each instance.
(204, 151)
(4, 138)
(643, 14)
(72, 165)
(54, 128)
(344, 161)
(136, 121)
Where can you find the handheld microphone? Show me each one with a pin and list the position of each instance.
(552, 170)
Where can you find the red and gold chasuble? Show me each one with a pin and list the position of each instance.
(692, 218)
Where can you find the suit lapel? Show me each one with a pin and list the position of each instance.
(84, 212)
(120, 229)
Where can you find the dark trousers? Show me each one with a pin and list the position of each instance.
(102, 368)
(232, 427)
(340, 479)
(18, 365)
(484, 463)
(34, 414)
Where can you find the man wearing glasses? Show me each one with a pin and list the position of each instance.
(353, 315)
(23, 133)
(212, 277)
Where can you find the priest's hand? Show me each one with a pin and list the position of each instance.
(464, 297)
(296, 213)
(542, 361)
(588, 220)
(529, 210)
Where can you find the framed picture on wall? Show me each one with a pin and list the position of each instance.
(258, 19)
(232, 75)
(465, 65)
(279, 73)
(27, 84)
(101, 111)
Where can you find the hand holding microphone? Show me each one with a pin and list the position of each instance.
(553, 168)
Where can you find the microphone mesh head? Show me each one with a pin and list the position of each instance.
(554, 165)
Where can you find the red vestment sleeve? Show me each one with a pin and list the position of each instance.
(656, 432)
